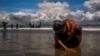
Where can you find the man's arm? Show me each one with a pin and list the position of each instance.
(79, 33)
(69, 50)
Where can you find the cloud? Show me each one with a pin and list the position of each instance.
(19, 17)
(49, 11)
(27, 10)
(52, 10)
(4, 16)
(23, 17)
(92, 5)
(77, 16)
(92, 11)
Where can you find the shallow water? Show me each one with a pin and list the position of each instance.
(26, 43)
(91, 43)
(41, 43)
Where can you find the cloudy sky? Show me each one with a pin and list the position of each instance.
(25, 11)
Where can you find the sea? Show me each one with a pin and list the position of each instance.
(40, 42)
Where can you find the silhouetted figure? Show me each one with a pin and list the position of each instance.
(11, 25)
(16, 26)
(31, 25)
(4, 23)
(39, 25)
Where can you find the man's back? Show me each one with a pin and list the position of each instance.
(73, 34)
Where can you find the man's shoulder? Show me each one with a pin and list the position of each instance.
(78, 27)
(78, 30)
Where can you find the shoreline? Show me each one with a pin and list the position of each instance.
(84, 29)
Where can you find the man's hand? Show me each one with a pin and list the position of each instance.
(69, 50)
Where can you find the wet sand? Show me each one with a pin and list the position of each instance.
(41, 43)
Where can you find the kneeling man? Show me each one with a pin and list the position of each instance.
(67, 34)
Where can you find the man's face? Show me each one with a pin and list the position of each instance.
(58, 26)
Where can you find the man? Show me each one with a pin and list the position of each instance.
(67, 34)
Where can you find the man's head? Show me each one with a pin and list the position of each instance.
(58, 26)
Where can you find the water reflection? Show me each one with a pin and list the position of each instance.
(61, 52)
(41, 43)
(8, 45)
(4, 34)
(26, 43)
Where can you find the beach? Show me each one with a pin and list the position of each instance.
(40, 42)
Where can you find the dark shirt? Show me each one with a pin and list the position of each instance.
(70, 41)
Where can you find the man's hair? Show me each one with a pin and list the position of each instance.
(58, 26)
(70, 24)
